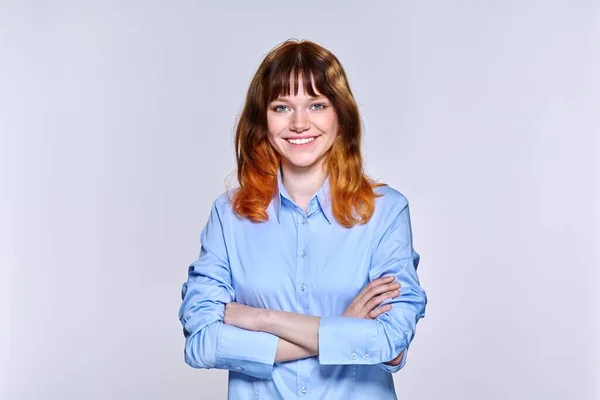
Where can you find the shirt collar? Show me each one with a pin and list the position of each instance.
(323, 196)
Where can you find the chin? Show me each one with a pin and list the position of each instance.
(304, 163)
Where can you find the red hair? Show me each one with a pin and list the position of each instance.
(352, 194)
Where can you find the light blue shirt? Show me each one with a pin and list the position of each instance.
(303, 262)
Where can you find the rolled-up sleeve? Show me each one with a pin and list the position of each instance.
(209, 343)
(344, 340)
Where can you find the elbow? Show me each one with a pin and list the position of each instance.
(196, 354)
(195, 362)
(201, 347)
(200, 320)
(396, 332)
(394, 366)
(395, 354)
(393, 340)
(395, 335)
(397, 360)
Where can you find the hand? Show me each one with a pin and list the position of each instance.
(365, 304)
(243, 316)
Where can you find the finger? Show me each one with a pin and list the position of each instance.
(377, 300)
(373, 285)
(382, 289)
(380, 310)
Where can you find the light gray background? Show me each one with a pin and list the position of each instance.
(116, 123)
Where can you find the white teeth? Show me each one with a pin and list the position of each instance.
(301, 141)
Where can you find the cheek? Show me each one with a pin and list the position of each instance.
(271, 141)
(334, 128)
(271, 134)
(275, 125)
(327, 123)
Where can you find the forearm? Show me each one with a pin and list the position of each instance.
(298, 335)
(300, 329)
(288, 351)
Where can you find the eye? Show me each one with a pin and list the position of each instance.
(318, 106)
(279, 108)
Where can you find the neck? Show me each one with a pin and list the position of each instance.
(302, 183)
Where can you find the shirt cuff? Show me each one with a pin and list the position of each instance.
(347, 340)
(248, 352)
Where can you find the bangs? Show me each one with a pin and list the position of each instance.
(286, 74)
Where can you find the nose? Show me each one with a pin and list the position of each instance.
(299, 122)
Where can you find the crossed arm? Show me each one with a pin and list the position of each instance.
(215, 340)
(298, 333)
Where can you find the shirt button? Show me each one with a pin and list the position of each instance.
(353, 356)
(303, 253)
(303, 287)
(304, 390)
(303, 221)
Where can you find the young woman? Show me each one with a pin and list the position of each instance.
(306, 283)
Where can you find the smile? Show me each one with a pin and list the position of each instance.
(301, 141)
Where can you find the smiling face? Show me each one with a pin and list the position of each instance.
(302, 129)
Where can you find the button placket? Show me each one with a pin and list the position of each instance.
(303, 240)
(302, 296)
